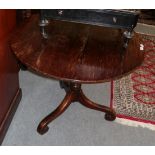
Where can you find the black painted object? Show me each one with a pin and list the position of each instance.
(121, 19)
(109, 18)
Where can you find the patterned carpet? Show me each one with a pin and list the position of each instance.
(133, 96)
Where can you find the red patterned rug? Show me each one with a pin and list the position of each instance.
(133, 96)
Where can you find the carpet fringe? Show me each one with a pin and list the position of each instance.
(135, 123)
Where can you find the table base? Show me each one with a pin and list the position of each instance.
(74, 93)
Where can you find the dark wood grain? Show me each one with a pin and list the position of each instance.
(75, 52)
(10, 93)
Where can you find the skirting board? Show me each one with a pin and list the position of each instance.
(9, 115)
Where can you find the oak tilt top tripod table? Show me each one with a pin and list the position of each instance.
(75, 53)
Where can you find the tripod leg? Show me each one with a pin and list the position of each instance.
(43, 126)
(110, 114)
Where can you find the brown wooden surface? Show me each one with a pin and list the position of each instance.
(12, 107)
(75, 52)
(9, 82)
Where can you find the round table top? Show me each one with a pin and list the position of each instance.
(75, 52)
